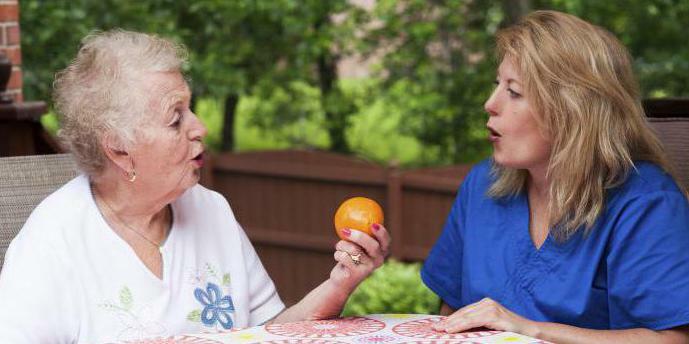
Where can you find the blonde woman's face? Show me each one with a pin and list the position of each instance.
(512, 128)
(169, 156)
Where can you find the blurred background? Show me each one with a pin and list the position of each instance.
(392, 81)
(396, 85)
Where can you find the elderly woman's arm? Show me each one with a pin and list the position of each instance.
(328, 299)
(490, 314)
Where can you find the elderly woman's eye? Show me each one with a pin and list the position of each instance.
(178, 119)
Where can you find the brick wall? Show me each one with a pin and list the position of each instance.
(9, 45)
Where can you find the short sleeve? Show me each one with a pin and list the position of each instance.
(35, 302)
(648, 263)
(442, 269)
(264, 301)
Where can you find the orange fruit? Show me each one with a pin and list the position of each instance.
(357, 213)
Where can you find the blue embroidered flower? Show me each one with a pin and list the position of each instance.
(217, 308)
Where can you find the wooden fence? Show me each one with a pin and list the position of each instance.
(285, 200)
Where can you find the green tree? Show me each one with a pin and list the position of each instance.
(267, 48)
(52, 30)
(237, 48)
(234, 45)
(435, 60)
(438, 70)
(653, 30)
(438, 60)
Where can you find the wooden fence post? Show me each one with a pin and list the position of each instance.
(394, 212)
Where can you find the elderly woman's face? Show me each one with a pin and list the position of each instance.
(169, 154)
(517, 140)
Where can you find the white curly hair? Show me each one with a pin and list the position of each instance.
(101, 91)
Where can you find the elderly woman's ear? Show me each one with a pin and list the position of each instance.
(117, 153)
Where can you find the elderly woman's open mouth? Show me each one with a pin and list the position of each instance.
(198, 160)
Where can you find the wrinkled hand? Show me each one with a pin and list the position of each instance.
(328, 299)
(485, 313)
(369, 251)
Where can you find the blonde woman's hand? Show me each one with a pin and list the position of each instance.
(485, 313)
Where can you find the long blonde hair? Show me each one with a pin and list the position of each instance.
(579, 80)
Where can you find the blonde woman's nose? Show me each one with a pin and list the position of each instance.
(491, 104)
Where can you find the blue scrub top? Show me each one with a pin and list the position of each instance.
(630, 271)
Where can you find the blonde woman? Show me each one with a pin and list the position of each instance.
(575, 231)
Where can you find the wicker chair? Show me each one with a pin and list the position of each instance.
(24, 182)
(674, 133)
(670, 119)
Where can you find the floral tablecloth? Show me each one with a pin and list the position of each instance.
(377, 328)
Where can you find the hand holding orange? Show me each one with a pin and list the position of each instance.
(357, 213)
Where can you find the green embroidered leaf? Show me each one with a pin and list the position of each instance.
(126, 298)
(194, 316)
(210, 270)
(226, 279)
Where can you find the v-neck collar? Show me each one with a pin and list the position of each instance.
(522, 227)
(122, 245)
(533, 264)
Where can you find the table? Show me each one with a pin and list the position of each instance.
(376, 328)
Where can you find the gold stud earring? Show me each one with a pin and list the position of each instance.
(132, 176)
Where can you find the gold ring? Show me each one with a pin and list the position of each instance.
(356, 258)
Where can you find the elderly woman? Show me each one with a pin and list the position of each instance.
(134, 247)
(575, 231)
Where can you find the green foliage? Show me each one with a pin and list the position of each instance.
(373, 133)
(653, 30)
(50, 123)
(194, 316)
(251, 136)
(237, 47)
(52, 30)
(126, 298)
(423, 103)
(394, 288)
(437, 71)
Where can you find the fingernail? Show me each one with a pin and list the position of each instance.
(375, 226)
(346, 232)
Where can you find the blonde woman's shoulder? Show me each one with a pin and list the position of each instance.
(647, 177)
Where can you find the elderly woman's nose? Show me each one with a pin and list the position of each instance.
(198, 130)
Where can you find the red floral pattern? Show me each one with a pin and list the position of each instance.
(352, 326)
(303, 341)
(422, 329)
(372, 329)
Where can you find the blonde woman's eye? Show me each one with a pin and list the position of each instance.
(513, 94)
